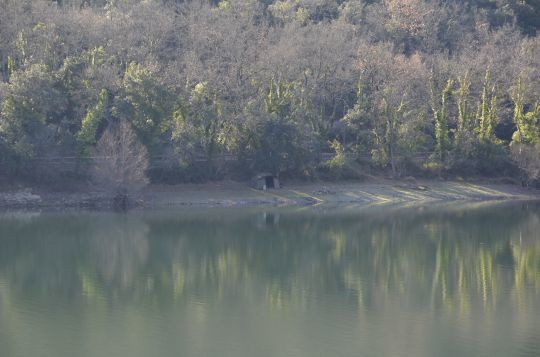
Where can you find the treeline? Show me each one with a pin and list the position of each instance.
(401, 86)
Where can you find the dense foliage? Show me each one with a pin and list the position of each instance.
(233, 87)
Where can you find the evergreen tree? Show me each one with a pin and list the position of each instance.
(440, 115)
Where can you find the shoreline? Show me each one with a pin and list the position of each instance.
(239, 194)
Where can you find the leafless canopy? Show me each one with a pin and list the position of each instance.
(527, 157)
(120, 159)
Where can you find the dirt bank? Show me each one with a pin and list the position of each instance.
(234, 194)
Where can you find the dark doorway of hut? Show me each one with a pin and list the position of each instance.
(269, 181)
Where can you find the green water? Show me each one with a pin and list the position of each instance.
(459, 280)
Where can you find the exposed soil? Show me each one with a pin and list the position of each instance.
(235, 194)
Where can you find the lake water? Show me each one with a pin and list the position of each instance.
(455, 280)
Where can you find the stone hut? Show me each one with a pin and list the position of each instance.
(265, 181)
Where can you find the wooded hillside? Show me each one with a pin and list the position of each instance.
(229, 88)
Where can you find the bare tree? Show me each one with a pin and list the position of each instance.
(527, 157)
(120, 162)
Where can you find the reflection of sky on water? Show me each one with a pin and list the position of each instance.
(420, 281)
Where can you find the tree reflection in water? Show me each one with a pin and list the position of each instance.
(456, 260)
(442, 256)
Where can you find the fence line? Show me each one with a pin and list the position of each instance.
(323, 155)
(166, 161)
